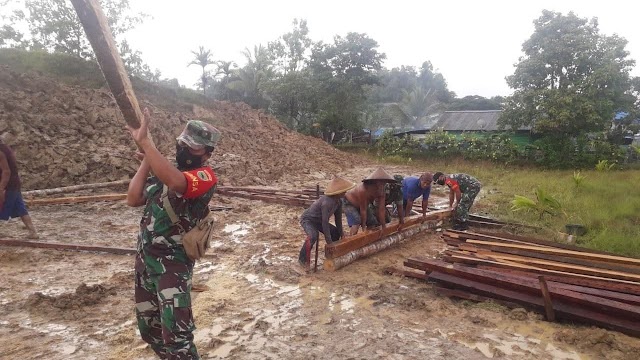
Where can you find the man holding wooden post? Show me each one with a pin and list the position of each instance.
(175, 199)
(463, 190)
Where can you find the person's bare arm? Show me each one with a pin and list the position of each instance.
(161, 167)
(425, 205)
(135, 194)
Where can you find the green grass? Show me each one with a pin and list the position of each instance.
(606, 203)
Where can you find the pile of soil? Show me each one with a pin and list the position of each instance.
(65, 135)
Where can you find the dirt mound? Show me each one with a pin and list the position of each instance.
(65, 135)
(83, 296)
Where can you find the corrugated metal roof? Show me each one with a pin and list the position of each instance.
(478, 120)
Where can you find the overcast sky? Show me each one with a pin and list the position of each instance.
(474, 44)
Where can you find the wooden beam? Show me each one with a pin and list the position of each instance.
(548, 305)
(99, 34)
(633, 269)
(76, 199)
(377, 246)
(563, 310)
(571, 279)
(62, 246)
(421, 275)
(348, 244)
(68, 189)
(573, 253)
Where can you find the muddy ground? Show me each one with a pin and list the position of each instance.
(75, 305)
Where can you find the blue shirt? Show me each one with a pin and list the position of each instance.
(411, 189)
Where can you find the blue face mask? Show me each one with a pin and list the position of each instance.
(186, 160)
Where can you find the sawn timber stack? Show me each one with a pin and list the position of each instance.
(562, 281)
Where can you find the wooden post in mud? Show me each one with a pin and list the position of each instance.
(99, 34)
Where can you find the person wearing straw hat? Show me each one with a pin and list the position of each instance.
(315, 219)
(356, 202)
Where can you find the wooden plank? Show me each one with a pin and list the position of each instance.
(613, 295)
(573, 279)
(632, 269)
(563, 310)
(73, 188)
(377, 246)
(510, 238)
(461, 294)
(475, 260)
(421, 275)
(76, 199)
(573, 253)
(546, 296)
(99, 34)
(348, 244)
(554, 265)
(62, 246)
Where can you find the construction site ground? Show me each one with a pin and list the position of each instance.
(79, 305)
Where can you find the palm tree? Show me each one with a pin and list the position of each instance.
(419, 103)
(258, 69)
(203, 58)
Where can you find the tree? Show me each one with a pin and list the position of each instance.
(428, 79)
(571, 78)
(341, 72)
(202, 58)
(419, 103)
(252, 77)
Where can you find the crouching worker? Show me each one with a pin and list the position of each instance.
(174, 200)
(463, 190)
(316, 218)
(356, 202)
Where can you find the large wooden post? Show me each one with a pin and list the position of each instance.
(97, 29)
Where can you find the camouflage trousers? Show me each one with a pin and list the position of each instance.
(466, 200)
(163, 310)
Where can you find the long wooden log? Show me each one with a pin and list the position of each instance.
(375, 247)
(562, 310)
(68, 189)
(355, 242)
(269, 199)
(99, 34)
(62, 246)
(76, 199)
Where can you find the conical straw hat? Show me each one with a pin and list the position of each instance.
(338, 186)
(380, 175)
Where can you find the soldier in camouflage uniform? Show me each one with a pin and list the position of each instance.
(463, 189)
(163, 270)
(392, 196)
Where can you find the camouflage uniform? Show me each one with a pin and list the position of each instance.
(469, 188)
(163, 270)
(392, 195)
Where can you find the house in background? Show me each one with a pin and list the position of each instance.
(471, 122)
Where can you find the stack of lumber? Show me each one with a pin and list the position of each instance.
(303, 198)
(562, 281)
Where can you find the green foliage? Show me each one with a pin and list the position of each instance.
(578, 179)
(202, 58)
(543, 204)
(561, 152)
(476, 102)
(389, 145)
(496, 147)
(570, 80)
(604, 165)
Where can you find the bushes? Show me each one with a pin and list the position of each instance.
(557, 152)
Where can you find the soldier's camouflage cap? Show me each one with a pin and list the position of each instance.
(198, 134)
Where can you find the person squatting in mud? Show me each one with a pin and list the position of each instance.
(463, 190)
(315, 219)
(11, 202)
(356, 202)
(162, 269)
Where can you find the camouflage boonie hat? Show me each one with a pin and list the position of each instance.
(398, 178)
(198, 134)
